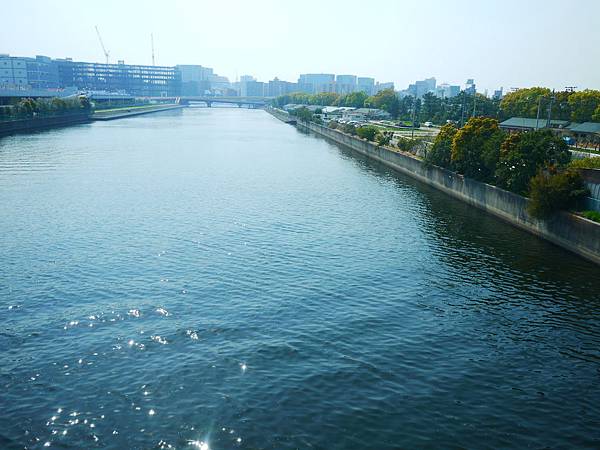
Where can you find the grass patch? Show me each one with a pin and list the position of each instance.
(591, 215)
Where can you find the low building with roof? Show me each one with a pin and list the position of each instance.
(527, 124)
(586, 134)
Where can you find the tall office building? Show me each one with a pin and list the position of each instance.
(315, 83)
(366, 85)
(345, 84)
(195, 79)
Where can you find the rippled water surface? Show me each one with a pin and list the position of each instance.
(216, 279)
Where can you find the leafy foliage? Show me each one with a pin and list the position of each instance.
(522, 155)
(29, 107)
(551, 192)
(441, 151)
(523, 102)
(354, 99)
(367, 132)
(584, 105)
(586, 163)
(386, 100)
(476, 148)
(384, 138)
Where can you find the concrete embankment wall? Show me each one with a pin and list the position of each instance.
(572, 232)
(123, 113)
(24, 125)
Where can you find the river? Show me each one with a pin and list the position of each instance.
(213, 278)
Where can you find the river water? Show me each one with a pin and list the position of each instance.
(216, 279)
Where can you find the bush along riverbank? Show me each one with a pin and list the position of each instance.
(29, 114)
(494, 171)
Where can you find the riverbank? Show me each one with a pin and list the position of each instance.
(39, 123)
(121, 113)
(567, 230)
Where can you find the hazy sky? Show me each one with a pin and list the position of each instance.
(510, 43)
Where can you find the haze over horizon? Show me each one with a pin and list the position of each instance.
(510, 43)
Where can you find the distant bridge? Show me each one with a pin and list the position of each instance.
(252, 102)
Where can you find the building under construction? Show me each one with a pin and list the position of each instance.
(139, 81)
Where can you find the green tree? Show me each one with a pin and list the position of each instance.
(386, 100)
(303, 114)
(596, 116)
(524, 102)
(551, 192)
(476, 148)
(324, 99)
(367, 132)
(584, 105)
(354, 99)
(523, 155)
(441, 150)
(431, 108)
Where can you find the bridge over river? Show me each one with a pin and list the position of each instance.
(252, 102)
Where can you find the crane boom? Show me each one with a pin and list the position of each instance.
(106, 52)
(152, 41)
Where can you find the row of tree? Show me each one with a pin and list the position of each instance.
(28, 107)
(532, 164)
(583, 106)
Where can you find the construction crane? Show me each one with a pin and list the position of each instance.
(152, 42)
(106, 52)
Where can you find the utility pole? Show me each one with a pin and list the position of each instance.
(152, 43)
(474, 101)
(537, 119)
(462, 111)
(550, 109)
(414, 113)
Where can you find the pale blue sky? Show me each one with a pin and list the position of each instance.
(506, 43)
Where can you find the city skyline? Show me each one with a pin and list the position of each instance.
(498, 45)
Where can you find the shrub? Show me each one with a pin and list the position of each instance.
(384, 138)
(586, 163)
(552, 192)
(349, 128)
(332, 124)
(441, 151)
(367, 132)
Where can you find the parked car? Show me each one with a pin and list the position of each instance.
(569, 140)
(428, 124)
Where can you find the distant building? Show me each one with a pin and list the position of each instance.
(219, 84)
(383, 86)
(195, 80)
(252, 88)
(471, 88)
(140, 81)
(345, 84)
(36, 73)
(314, 83)
(366, 85)
(277, 87)
(498, 94)
(421, 87)
(445, 90)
